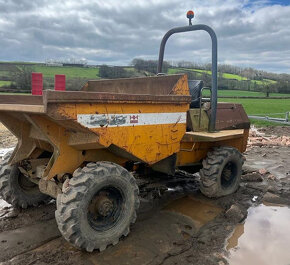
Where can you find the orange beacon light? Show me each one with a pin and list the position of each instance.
(190, 16)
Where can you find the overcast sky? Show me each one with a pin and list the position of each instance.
(250, 33)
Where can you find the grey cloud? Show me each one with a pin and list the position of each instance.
(117, 31)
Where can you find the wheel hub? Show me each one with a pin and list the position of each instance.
(104, 206)
(228, 174)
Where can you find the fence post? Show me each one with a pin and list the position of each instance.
(36, 84)
(287, 116)
(59, 82)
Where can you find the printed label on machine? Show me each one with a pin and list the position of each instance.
(135, 119)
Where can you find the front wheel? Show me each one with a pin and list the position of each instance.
(98, 206)
(221, 172)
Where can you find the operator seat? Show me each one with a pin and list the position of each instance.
(195, 87)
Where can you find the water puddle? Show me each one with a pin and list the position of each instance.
(199, 211)
(263, 239)
(20, 240)
(4, 151)
(4, 204)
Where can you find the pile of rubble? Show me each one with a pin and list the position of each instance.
(257, 138)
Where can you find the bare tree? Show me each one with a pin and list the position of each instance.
(149, 65)
(21, 77)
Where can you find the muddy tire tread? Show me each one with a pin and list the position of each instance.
(209, 174)
(10, 193)
(67, 213)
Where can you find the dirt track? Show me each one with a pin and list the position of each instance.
(178, 228)
(6, 138)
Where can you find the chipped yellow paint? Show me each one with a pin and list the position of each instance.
(67, 159)
(181, 87)
(149, 143)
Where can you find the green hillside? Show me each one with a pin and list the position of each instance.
(243, 93)
(93, 72)
(224, 75)
(69, 71)
(229, 85)
(76, 76)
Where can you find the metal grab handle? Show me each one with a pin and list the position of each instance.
(210, 31)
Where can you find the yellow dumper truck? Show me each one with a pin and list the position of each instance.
(82, 147)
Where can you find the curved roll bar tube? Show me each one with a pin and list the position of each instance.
(210, 31)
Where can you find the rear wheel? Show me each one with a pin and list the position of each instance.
(98, 206)
(221, 172)
(17, 189)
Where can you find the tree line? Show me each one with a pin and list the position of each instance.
(253, 79)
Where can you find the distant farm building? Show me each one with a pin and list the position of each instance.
(68, 62)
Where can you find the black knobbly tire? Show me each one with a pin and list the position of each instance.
(221, 172)
(17, 189)
(81, 219)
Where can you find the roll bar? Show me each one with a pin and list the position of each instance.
(210, 31)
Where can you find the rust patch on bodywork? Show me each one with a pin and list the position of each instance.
(231, 116)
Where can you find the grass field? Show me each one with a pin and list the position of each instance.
(5, 83)
(262, 123)
(129, 69)
(242, 93)
(93, 73)
(233, 76)
(262, 106)
(7, 93)
(225, 75)
(4, 73)
(70, 72)
(50, 71)
(172, 71)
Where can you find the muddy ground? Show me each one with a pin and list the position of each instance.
(6, 138)
(181, 227)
